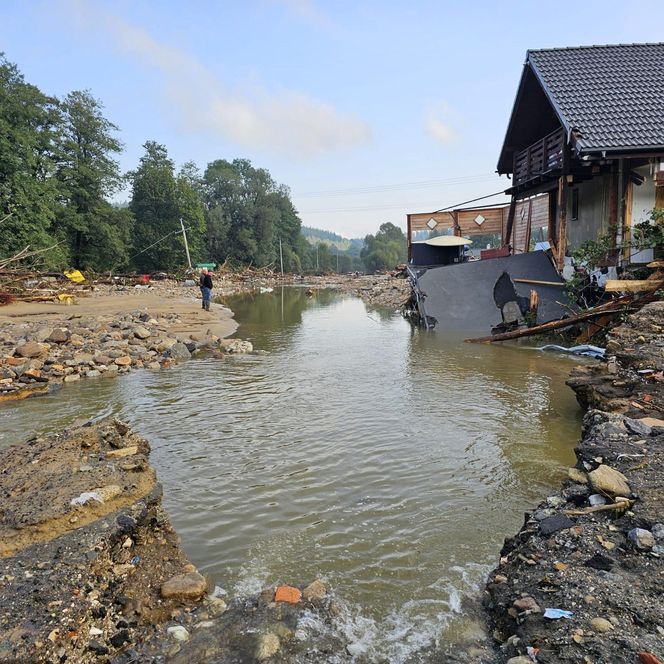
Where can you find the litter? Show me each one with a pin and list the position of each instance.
(86, 497)
(556, 614)
(584, 349)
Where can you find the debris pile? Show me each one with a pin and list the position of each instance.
(581, 581)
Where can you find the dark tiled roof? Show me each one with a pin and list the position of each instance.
(614, 95)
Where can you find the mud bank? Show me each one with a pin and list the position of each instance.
(596, 549)
(92, 571)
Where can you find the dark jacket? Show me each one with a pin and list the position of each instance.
(206, 280)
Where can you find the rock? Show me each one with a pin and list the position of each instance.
(178, 351)
(236, 346)
(641, 538)
(30, 349)
(599, 562)
(268, 645)
(601, 625)
(607, 480)
(122, 452)
(577, 475)
(59, 336)
(71, 378)
(178, 632)
(658, 531)
(521, 659)
(108, 492)
(41, 335)
(287, 594)
(141, 332)
(98, 648)
(637, 426)
(33, 374)
(527, 603)
(184, 586)
(154, 366)
(553, 524)
(119, 639)
(314, 591)
(92, 373)
(123, 361)
(165, 344)
(596, 499)
(95, 631)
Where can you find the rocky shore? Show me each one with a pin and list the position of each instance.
(92, 571)
(583, 580)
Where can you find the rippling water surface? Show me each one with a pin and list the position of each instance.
(389, 462)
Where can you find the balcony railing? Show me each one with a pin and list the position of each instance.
(541, 158)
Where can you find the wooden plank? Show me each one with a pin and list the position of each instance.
(593, 328)
(656, 265)
(561, 244)
(537, 282)
(631, 286)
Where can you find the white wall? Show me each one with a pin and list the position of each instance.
(643, 201)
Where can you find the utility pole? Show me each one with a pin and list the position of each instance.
(281, 258)
(186, 244)
(317, 257)
(337, 260)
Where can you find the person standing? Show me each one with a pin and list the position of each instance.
(206, 288)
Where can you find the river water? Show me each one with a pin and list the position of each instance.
(389, 462)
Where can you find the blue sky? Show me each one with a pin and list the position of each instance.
(367, 110)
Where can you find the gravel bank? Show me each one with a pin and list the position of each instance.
(596, 549)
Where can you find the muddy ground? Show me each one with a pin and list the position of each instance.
(596, 548)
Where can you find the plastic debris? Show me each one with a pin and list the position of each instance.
(556, 614)
(135, 560)
(86, 497)
(585, 349)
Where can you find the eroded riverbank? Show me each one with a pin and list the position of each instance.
(596, 549)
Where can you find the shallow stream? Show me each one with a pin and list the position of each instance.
(387, 461)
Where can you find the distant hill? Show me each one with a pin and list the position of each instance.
(316, 235)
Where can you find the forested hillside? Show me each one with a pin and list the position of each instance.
(59, 172)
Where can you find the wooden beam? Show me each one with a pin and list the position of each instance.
(632, 286)
(510, 222)
(562, 222)
(537, 282)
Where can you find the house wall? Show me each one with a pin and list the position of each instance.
(643, 201)
(593, 218)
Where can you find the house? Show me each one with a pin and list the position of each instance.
(587, 133)
(485, 225)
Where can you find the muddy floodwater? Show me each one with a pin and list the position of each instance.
(387, 461)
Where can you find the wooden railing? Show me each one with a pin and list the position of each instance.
(545, 156)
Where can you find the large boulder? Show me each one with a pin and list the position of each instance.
(178, 351)
(609, 481)
(30, 349)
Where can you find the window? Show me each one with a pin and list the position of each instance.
(575, 204)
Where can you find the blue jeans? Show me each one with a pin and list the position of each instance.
(207, 293)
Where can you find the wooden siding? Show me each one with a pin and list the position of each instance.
(494, 219)
(530, 213)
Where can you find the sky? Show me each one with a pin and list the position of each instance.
(367, 110)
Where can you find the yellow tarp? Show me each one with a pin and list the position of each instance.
(74, 275)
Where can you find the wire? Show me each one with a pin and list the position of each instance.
(472, 200)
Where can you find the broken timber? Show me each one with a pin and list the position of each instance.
(615, 307)
(632, 286)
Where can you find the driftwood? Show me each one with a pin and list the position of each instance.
(632, 286)
(617, 306)
(620, 505)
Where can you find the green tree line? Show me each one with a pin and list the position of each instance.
(59, 171)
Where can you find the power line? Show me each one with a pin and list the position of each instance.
(421, 184)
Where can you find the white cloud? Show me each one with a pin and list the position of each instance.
(438, 125)
(286, 121)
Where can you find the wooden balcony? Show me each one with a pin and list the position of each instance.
(542, 158)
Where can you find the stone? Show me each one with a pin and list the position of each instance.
(637, 427)
(178, 351)
(658, 531)
(607, 480)
(123, 361)
(30, 349)
(41, 335)
(119, 639)
(165, 344)
(33, 374)
(184, 586)
(216, 606)
(601, 625)
(287, 594)
(108, 492)
(314, 591)
(141, 332)
(178, 632)
(72, 377)
(521, 659)
(641, 538)
(553, 524)
(596, 499)
(98, 648)
(577, 475)
(268, 645)
(95, 631)
(122, 452)
(527, 603)
(59, 336)
(599, 562)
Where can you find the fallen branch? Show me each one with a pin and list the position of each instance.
(620, 505)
